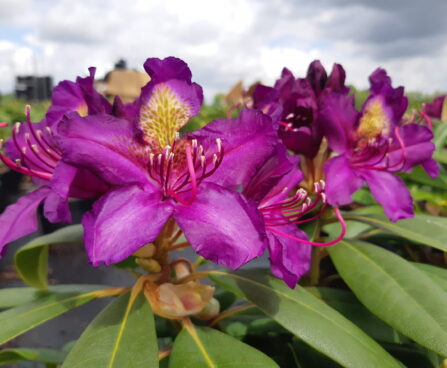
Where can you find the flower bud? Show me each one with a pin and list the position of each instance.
(210, 311)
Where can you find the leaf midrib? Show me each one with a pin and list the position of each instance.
(348, 332)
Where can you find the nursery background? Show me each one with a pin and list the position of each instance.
(383, 289)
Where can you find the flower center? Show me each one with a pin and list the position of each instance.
(181, 168)
(374, 121)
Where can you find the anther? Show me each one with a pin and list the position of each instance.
(18, 162)
(323, 197)
(202, 161)
(219, 145)
(17, 127)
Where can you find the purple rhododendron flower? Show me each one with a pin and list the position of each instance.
(33, 151)
(294, 104)
(373, 145)
(269, 188)
(156, 175)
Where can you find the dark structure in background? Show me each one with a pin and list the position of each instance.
(32, 88)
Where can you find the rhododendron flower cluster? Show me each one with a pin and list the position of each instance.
(236, 187)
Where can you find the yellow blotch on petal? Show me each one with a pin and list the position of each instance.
(82, 110)
(374, 121)
(162, 116)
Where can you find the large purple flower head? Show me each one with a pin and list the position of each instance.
(372, 145)
(294, 103)
(156, 174)
(32, 151)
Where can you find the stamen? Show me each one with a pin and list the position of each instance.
(427, 120)
(17, 166)
(340, 237)
(192, 175)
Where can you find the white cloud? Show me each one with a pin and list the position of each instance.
(223, 41)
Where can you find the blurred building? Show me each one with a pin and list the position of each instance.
(122, 82)
(32, 88)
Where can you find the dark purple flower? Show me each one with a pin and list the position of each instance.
(155, 174)
(293, 104)
(437, 108)
(372, 145)
(33, 151)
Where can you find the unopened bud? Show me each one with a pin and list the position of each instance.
(146, 251)
(211, 310)
(149, 265)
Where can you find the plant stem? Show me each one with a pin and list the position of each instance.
(229, 313)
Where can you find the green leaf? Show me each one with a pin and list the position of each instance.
(344, 302)
(48, 356)
(197, 347)
(12, 297)
(20, 319)
(441, 156)
(123, 335)
(437, 274)
(419, 175)
(440, 135)
(31, 260)
(395, 291)
(425, 229)
(307, 317)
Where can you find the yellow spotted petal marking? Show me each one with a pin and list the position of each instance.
(374, 121)
(82, 110)
(162, 116)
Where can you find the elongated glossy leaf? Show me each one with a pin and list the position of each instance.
(18, 320)
(307, 317)
(197, 347)
(344, 302)
(425, 229)
(439, 275)
(31, 260)
(395, 291)
(48, 356)
(123, 335)
(12, 297)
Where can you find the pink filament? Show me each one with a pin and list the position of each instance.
(340, 237)
(427, 120)
(192, 174)
(3, 125)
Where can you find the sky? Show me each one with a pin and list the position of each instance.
(228, 40)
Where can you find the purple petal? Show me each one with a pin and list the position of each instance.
(105, 145)
(393, 97)
(337, 119)
(222, 226)
(317, 77)
(341, 181)
(121, 222)
(435, 107)
(390, 191)
(418, 149)
(336, 80)
(289, 259)
(97, 104)
(166, 69)
(247, 142)
(20, 219)
(277, 172)
(56, 208)
(70, 181)
(81, 97)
